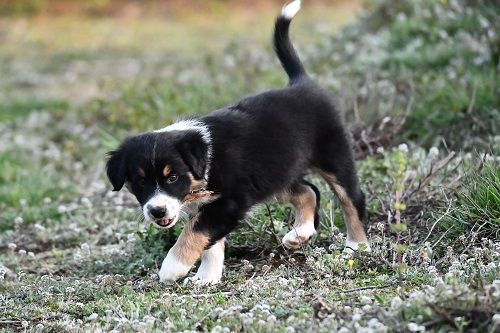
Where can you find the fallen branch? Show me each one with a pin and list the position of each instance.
(367, 288)
(432, 173)
(437, 221)
(8, 322)
(271, 223)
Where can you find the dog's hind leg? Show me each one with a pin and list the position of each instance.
(334, 161)
(345, 185)
(305, 199)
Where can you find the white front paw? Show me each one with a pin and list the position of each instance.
(203, 280)
(212, 265)
(172, 269)
(212, 275)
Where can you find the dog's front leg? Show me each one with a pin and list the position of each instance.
(212, 264)
(184, 254)
(215, 221)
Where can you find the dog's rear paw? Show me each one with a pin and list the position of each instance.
(296, 237)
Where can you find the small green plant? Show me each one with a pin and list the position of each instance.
(477, 205)
(398, 172)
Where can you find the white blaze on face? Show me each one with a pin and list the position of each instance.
(162, 200)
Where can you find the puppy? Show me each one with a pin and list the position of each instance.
(236, 157)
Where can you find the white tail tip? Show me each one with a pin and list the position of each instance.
(290, 10)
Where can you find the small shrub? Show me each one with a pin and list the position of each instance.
(477, 205)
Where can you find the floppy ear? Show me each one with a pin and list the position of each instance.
(194, 152)
(115, 168)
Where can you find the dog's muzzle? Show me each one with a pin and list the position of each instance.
(162, 209)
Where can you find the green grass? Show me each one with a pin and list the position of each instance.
(29, 192)
(481, 197)
(16, 109)
(440, 56)
(477, 205)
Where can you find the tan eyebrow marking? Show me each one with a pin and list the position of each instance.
(142, 173)
(167, 170)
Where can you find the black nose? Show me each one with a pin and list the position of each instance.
(157, 212)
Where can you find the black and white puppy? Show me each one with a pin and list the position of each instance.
(237, 157)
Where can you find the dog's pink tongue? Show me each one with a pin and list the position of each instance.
(164, 222)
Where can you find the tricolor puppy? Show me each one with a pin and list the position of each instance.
(236, 157)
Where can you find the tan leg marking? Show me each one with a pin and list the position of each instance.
(355, 230)
(190, 244)
(305, 205)
(182, 256)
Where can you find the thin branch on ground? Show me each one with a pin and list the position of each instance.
(432, 173)
(271, 224)
(368, 288)
(437, 221)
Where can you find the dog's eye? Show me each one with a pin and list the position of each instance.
(172, 178)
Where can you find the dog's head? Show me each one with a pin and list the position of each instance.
(161, 169)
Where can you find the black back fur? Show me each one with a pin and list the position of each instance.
(260, 146)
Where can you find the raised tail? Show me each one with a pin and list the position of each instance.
(282, 45)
